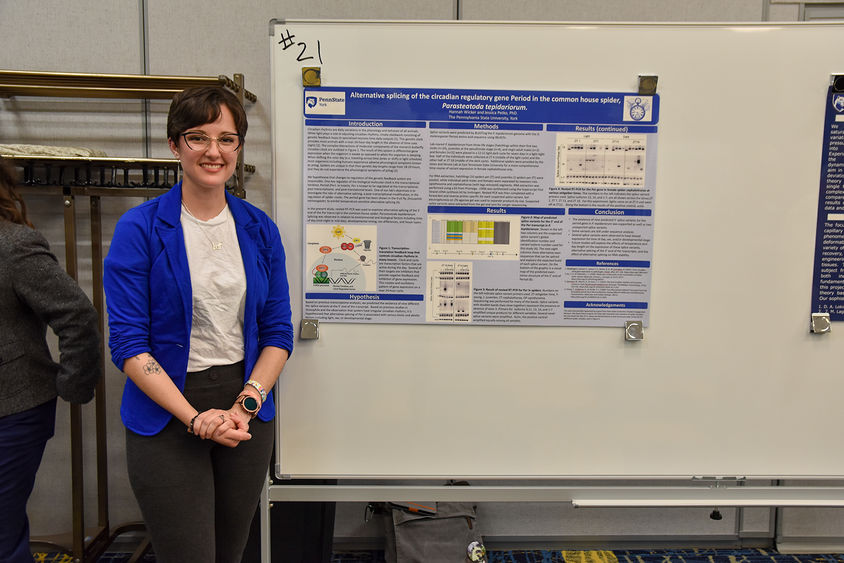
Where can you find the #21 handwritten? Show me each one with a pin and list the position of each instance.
(287, 41)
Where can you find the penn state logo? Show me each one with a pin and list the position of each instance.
(838, 102)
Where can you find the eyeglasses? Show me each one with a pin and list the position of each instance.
(229, 142)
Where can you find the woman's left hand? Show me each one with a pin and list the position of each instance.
(208, 424)
(233, 430)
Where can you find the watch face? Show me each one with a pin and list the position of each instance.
(250, 404)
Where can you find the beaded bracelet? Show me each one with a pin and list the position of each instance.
(259, 388)
(190, 428)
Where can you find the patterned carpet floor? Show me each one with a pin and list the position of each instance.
(547, 556)
(624, 556)
(659, 556)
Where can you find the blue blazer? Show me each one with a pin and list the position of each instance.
(149, 297)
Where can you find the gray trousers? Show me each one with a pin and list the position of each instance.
(198, 497)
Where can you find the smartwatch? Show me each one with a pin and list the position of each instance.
(249, 404)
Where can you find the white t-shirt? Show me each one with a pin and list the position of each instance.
(218, 282)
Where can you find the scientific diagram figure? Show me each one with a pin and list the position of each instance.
(341, 258)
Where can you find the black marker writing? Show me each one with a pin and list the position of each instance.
(286, 42)
(302, 56)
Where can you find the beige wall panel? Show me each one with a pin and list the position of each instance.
(89, 36)
(78, 36)
(613, 10)
(800, 528)
(812, 523)
(756, 522)
(575, 524)
(784, 13)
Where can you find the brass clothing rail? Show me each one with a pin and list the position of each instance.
(133, 86)
(103, 172)
(84, 85)
(107, 176)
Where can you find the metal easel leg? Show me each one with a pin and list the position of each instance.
(76, 471)
(265, 522)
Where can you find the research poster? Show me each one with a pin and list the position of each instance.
(828, 280)
(486, 207)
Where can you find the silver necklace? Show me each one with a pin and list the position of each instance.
(202, 228)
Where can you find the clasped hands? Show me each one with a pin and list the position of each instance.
(227, 427)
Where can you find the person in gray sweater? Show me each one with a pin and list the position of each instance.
(35, 292)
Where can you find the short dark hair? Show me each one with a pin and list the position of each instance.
(200, 105)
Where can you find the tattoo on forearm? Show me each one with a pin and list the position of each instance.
(152, 367)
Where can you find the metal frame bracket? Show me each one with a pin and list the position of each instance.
(634, 331)
(820, 323)
(311, 76)
(647, 84)
(309, 329)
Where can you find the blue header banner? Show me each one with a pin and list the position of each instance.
(408, 104)
(609, 212)
(498, 210)
(365, 296)
(362, 123)
(493, 126)
(602, 128)
(609, 263)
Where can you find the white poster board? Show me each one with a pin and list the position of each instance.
(727, 381)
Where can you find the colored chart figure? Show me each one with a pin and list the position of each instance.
(476, 237)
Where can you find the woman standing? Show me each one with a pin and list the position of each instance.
(199, 314)
(35, 292)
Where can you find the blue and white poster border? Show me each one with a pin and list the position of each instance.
(828, 279)
(486, 207)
